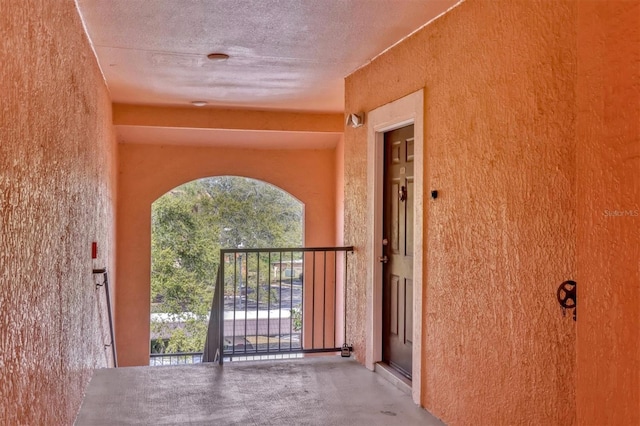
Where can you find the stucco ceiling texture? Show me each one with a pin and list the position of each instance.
(284, 54)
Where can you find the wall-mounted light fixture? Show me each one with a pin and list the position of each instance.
(355, 120)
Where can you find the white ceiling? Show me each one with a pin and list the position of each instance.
(284, 54)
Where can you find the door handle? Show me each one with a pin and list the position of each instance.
(402, 194)
(383, 259)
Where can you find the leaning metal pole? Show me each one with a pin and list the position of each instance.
(105, 283)
(213, 340)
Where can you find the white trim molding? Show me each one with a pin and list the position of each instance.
(405, 111)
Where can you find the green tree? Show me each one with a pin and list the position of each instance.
(190, 224)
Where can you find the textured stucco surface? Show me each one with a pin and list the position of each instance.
(608, 188)
(56, 197)
(220, 118)
(147, 171)
(499, 80)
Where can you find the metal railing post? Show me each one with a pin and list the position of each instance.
(220, 285)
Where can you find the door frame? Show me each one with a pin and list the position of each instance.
(402, 112)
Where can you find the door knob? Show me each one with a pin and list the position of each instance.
(383, 259)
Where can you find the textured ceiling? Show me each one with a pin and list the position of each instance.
(284, 54)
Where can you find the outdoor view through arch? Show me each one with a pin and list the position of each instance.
(190, 224)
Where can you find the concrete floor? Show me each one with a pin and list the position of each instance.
(312, 391)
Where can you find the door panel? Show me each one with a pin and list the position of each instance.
(397, 333)
(395, 219)
(408, 225)
(408, 311)
(394, 305)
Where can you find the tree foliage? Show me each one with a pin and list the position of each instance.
(190, 224)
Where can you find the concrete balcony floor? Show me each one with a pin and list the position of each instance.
(326, 390)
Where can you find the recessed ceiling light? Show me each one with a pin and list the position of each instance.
(218, 56)
(198, 103)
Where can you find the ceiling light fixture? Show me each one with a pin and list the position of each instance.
(198, 103)
(218, 57)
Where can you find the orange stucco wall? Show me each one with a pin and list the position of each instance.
(148, 171)
(499, 81)
(608, 195)
(57, 182)
(222, 118)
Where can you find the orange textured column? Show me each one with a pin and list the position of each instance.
(608, 188)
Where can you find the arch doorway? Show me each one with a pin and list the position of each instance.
(189, 226)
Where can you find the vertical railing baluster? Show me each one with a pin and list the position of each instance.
(335, 298)
(280, 306)
(257, 297)
(221, 285)
(344, 300)
(304, 276)
(291, 302)
(246, 299)
(313, 304)
(235, 301)
(269, 306)
(324, 298)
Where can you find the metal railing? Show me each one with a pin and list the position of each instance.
(184, 358)
(277, 301)
(105, 283)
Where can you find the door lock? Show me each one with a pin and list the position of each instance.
(345, 352)
(383, 259)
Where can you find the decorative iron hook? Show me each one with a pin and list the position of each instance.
(567, 297)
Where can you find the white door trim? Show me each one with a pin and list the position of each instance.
(404, 111)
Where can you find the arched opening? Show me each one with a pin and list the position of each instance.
(149, 171)
(189, 226)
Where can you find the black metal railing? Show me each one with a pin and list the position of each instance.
(105, 284)
(184, 358)
(277, 301)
